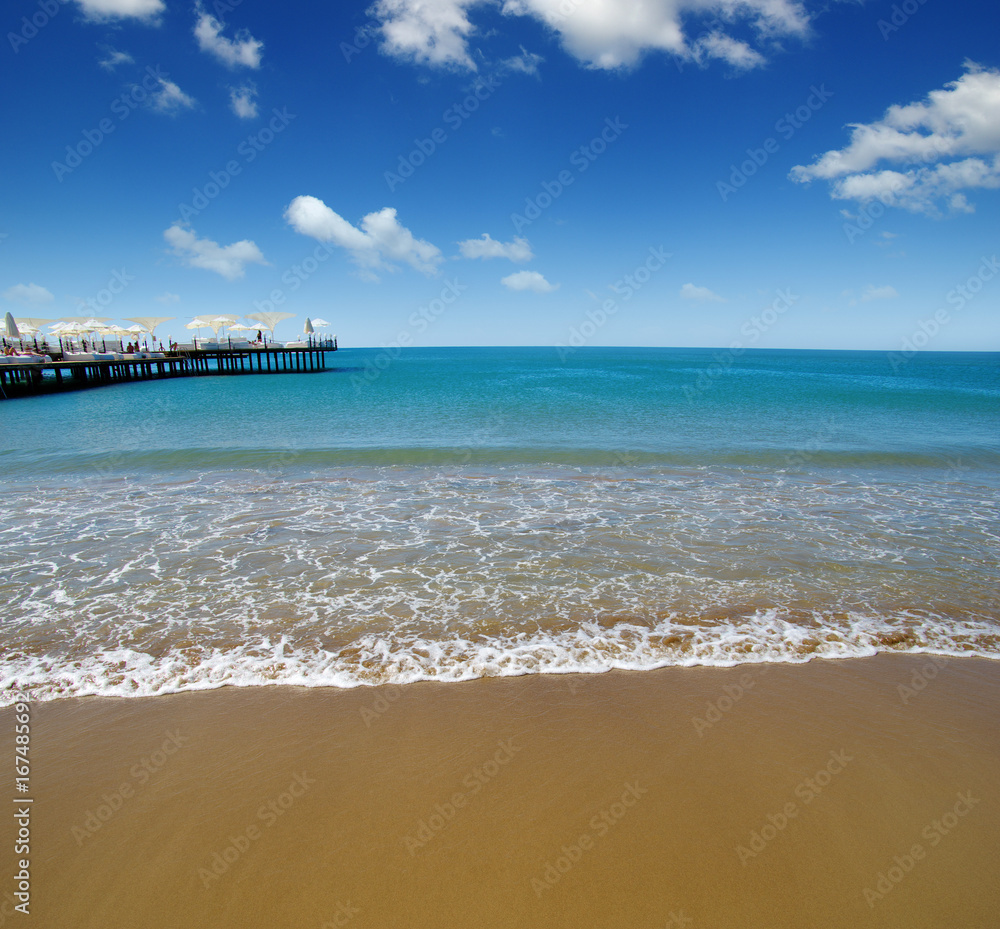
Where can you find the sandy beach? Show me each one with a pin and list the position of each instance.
(845, 793)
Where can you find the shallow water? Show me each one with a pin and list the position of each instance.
(481, 512)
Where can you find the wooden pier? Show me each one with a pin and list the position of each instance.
(33, 378)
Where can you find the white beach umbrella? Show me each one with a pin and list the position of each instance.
(10, 327)
(148, 323)
(221, 322)
(31, 323)
(308, 327)
(320, 323)
(72, 329)
(68, 329)
(270, 320)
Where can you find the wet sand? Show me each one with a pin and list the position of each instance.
(817, 795)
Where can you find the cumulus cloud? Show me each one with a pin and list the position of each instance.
(243, 52)
(28, 293)
(101, 10)
(600, 33)
(430, 32)
(242, 102)
(701, 294)
(114, 58)
(939, 148)
(169, 98)
(168, 298)
(379, 242)
(228, 260)
(528, 280)
(878, 293)
(487, 247)
(725, 48)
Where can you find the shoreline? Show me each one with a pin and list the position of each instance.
(758, 795)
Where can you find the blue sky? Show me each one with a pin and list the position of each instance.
(532, 172)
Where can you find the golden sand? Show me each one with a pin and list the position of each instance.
(833, 794)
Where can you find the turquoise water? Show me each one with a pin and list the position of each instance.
(454, 513)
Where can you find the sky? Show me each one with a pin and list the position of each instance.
(763, 173)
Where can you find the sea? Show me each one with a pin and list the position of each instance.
(456, 513)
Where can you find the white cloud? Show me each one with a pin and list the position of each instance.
(526, 63)
(943, 146)
(726, 48)
(487, 247)
(28, 293)
(114, 58)
(701, 294)
(227, 260)
(430, 32)
(600, 33)
(101, 10)
(528, 280)
(245, 51)
(168, 297)
(169, 98)
(380, 241)
(242, 102)
(878, 293)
